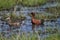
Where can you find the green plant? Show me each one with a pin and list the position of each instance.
(6, 4)
(53, 37)
(4, 16)
(33, 36)
(13, 17)
(23, 36)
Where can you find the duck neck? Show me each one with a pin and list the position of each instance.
(33, 17)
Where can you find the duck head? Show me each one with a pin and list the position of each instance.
(33, 14)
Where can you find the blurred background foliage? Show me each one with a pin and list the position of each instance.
(6, 4)
(33, 2)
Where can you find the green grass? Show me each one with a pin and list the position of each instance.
(20, 37)
(13, 17)
(44, 16)
(33, 2)
(33, 36)
(53, 37)
(8, 4)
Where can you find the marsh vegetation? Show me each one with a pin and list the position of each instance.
(50, 31)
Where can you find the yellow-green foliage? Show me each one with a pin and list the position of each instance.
(33, 2)
(53, 37)
(14, 17)
(5, 4)
(30, 37)
(4, 16)
(44, 16)
(23, 36)
(54, 10)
